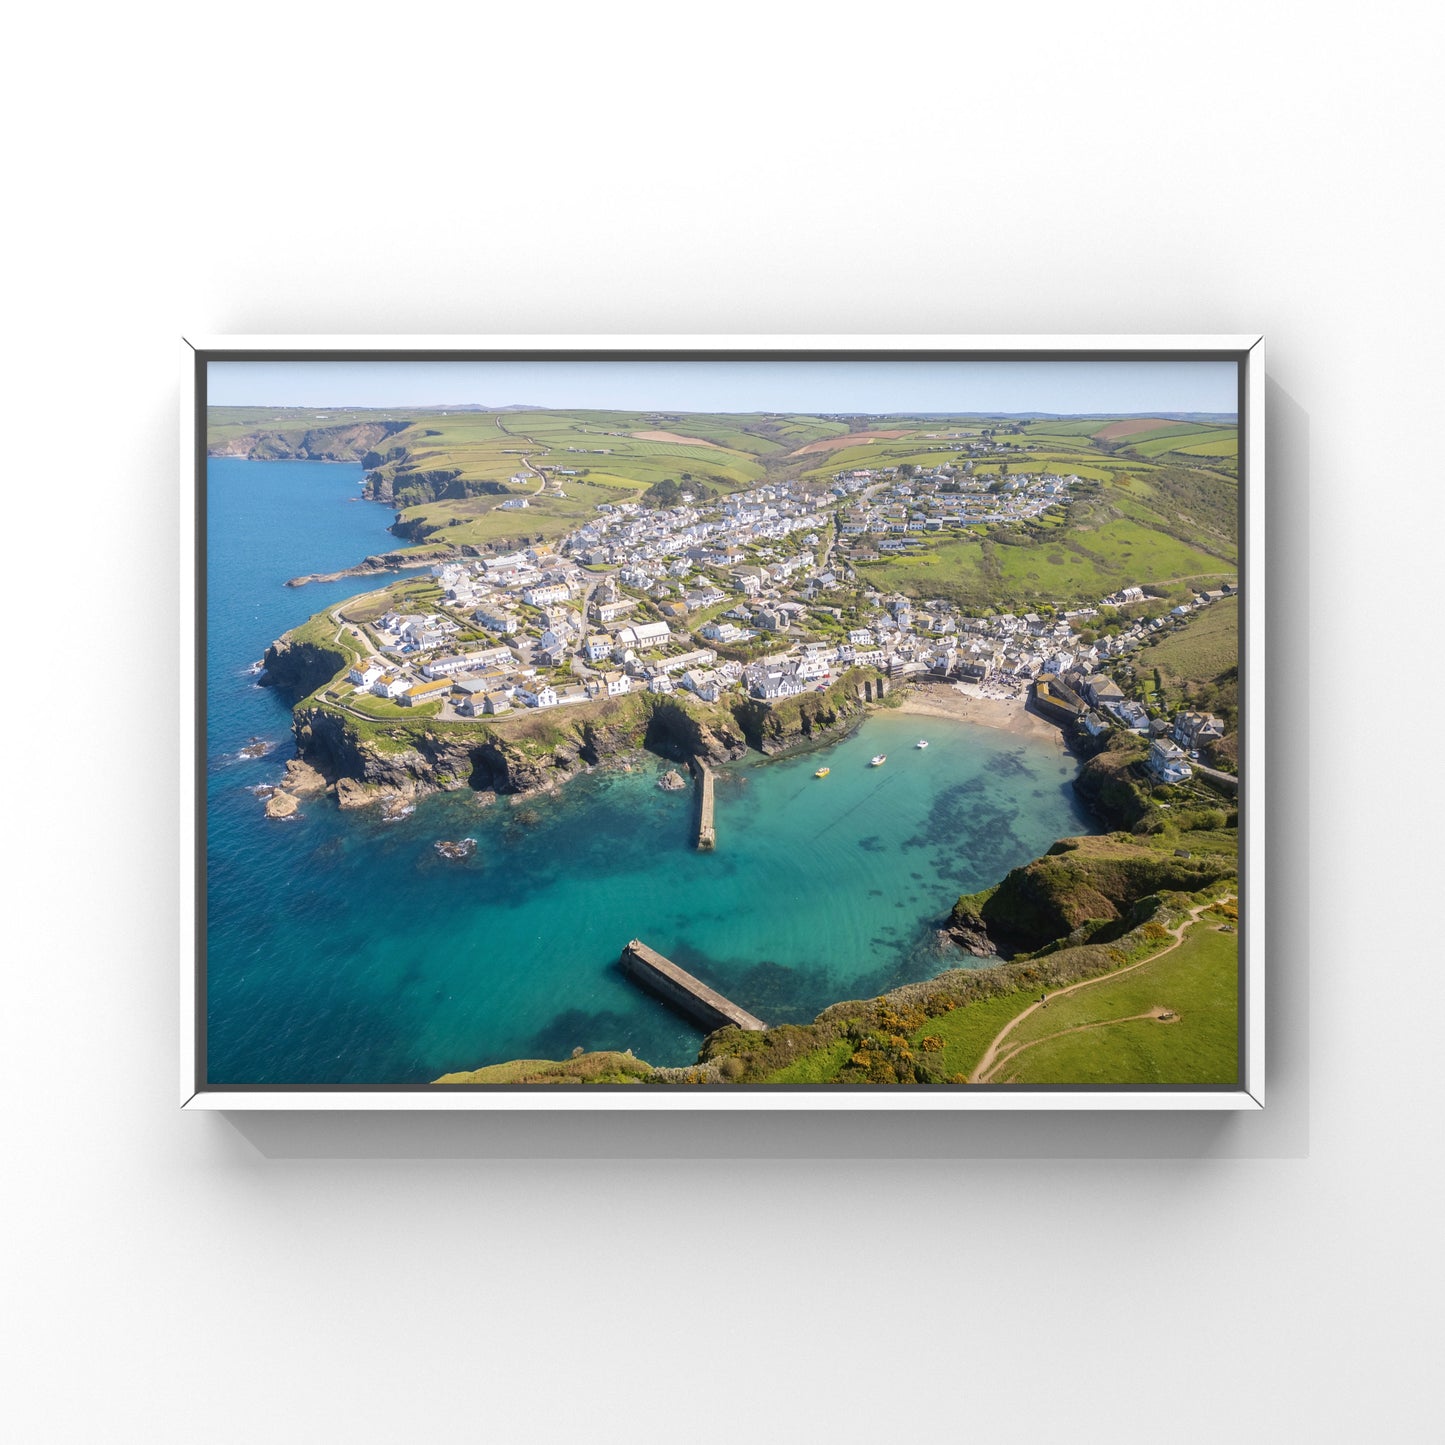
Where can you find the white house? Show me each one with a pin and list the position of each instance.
(618, 683)
(644, 635)
(707, 686)
(450, 665)
(546, 593)
(390, 684)
(660, 683)
(723, 632)
(537, 694)
(363, 674)
(1167, 761)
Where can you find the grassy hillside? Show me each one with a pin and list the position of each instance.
(1201, 653)
(1169, 524)
(1087, 884)
(1171, 1021)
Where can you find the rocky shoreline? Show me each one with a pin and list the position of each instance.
(397, 561)
(394, 767)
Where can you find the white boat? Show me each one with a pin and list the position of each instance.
(878, 760)
(922, 743)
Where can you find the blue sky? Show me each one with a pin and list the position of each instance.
(1070, 387)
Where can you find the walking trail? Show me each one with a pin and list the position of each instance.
(987, 1068)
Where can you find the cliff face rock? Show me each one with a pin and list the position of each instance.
(674, 731)
(281, 805)
(810, 717)
(537, 753)
(297, 668)
(1107, 785)
(408, 764)
(398, 561)
(350, 443)
(384, 483)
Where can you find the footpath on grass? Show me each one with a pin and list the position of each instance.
(987, 1068)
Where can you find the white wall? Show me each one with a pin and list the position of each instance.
(745, 168)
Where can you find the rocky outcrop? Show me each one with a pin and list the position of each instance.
(392, 480)
(675, 731)
(807, 719)
(411, 762)
(298, 668)
(1109, 786)
(349, 443)
(281, 805)
(672, 781)
(398, 561)
(1094, 881)
(302, 779)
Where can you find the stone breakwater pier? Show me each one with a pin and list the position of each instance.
(705, 1006)
(706, 832)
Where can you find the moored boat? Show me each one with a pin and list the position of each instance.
(922, 742)
(822, 772)
(878, 760)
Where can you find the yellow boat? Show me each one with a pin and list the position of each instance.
(822, 772)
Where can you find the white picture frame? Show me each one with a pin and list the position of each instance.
(196, 1094)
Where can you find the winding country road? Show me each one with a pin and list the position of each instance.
(988, 1066)
(527, 460)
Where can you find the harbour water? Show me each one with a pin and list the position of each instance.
(344, 949)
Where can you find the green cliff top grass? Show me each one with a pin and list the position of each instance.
(599, 1068)
(1094, 1036)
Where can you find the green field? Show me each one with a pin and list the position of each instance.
(966, 1032)
(1203, 649)
(1156, 444)
(1093, 1035)
(1217, 447)
(1077, 565)
(383, 709)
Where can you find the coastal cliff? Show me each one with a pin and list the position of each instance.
(396, 561)
(1108, 787)
(531, 752)
(1091, 883)
(352, 442)
(791, 723)
(296, 666)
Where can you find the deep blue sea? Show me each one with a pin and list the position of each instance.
(342, 949)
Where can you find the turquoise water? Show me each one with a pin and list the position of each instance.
(342, 949)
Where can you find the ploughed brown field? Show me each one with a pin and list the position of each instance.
(672, 436)
(832, 444)
(1117, 429)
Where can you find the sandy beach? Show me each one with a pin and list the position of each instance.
(989, 705)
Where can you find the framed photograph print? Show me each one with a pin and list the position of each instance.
(723, 722)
